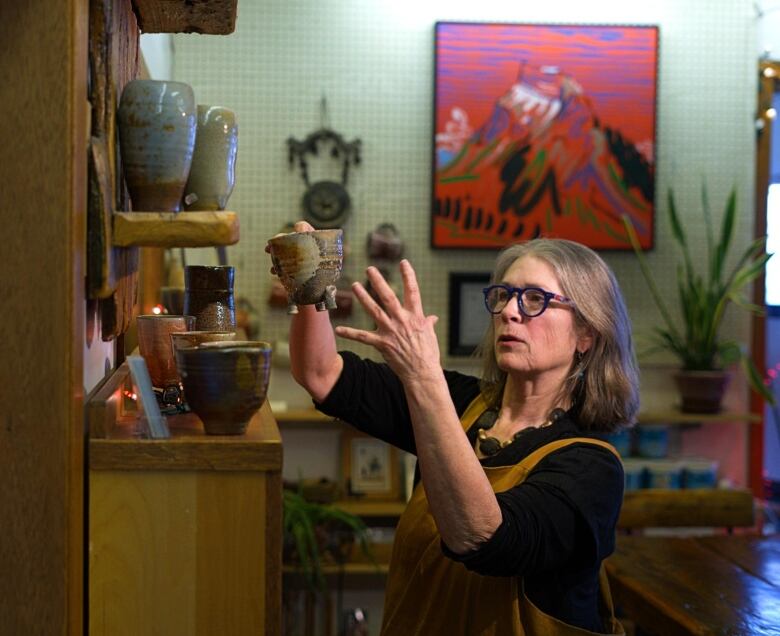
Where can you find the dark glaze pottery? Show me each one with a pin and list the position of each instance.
(225, 383)
(208, 295)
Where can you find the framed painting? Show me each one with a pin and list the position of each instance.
(467, 314)
(371, 467)
(543, 130)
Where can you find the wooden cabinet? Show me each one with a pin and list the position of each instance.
(185, 533)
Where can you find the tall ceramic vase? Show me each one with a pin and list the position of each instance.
(213, 171)
(157, 125)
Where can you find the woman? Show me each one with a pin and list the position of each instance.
(518, 497)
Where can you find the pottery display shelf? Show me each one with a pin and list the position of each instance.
(185, 533)
(175, 229)
(212, 17)
(676, 416)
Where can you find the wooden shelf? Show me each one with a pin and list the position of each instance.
(368, 508)
(213, 17)
(347, 568)
(674, 416)
(175, 229)
(303, 416)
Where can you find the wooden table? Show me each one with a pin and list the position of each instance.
(727, 584)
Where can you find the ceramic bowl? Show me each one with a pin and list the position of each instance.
(309, 264)
(196, 338)
(154, 345)
(225, 383)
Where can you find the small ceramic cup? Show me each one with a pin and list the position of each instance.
(208, 295)
(154, 345)
(157, 125)
(308, 264)
(197, 338)
(225, 383)
(213, 172)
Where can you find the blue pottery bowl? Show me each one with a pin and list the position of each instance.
(225, 383)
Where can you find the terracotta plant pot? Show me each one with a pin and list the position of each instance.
(225, 383)
(157, 125)
(701, 391)
(309, 264)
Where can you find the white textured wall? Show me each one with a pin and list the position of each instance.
(373, 59)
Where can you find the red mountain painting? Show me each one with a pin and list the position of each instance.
(543, 130)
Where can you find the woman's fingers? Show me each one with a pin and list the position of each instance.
(412, 298)
(303, 226)
(383, 291)
(358, 335)
(370, 305)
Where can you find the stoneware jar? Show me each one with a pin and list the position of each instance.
(213, 171)
(157, 125)
(208, 295)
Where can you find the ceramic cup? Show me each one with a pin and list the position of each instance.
(154, 345)
(197, 338)
(157, 125)
(225, 383)
(208, 295)
(213, 170)
(308, 264)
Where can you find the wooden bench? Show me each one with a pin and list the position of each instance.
(697, 508)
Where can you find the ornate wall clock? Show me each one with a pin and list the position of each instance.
(326, 203)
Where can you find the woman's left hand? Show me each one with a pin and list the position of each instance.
(404, 335)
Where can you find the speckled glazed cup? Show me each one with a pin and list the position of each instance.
(213, 171)
(154, 345)
(308, 264)
(157, 125)
(225, 383)
(208, 295)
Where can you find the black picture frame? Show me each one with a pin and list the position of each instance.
(468, 316)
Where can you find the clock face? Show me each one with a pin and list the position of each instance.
(326, 204)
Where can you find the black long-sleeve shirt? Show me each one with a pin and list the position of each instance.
(557, 526)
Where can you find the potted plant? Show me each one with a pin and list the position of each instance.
(692, 333)
(315, 532)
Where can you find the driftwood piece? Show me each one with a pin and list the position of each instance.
(214, 17)
(100, 263)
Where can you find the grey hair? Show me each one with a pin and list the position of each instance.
(603, 384)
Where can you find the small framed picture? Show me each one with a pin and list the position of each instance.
(468, 316)
(370, 467)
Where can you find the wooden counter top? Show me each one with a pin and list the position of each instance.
(189, 448)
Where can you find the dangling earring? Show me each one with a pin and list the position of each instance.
(579, 356)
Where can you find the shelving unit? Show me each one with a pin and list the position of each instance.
(175, 229)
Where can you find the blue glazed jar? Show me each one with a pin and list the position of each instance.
(653, 441)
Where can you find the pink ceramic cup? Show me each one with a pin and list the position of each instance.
(154, 344)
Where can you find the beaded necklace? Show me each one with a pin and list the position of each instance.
(489, 446)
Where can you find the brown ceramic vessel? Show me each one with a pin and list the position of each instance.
(208, 295)
(154, 345)
(308, 265)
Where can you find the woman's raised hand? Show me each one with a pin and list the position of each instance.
(404, 335)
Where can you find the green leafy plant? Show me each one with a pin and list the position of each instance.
(704, 297)
(313, 530)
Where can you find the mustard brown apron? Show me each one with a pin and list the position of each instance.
(428, 594)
